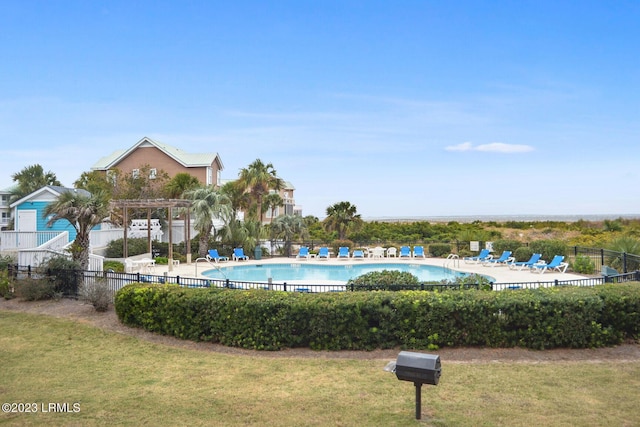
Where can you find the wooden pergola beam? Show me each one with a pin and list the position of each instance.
(169, 204)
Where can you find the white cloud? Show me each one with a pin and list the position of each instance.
(465, 146)
(494, 147)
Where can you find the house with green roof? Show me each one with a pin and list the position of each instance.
(206, 167)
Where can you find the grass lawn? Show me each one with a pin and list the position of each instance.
(120, 380)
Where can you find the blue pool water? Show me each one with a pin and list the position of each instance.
(315, 273)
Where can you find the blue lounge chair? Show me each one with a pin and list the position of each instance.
(504, 258)
(343, 252)
(418, 252)
(303, 253)
(556, 264)
(484, 255)
(323, 253)
(238, 254)
(405, 252)
(525, 264)
(358, 254)
(215, 257)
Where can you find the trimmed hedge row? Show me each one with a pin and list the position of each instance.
(271, 320)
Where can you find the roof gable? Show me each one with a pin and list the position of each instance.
(181, 157)
(47, 193)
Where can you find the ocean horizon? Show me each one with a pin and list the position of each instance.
(503, 218)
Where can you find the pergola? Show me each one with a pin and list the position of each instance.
(149, 204)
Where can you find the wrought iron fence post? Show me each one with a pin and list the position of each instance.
(624, 262)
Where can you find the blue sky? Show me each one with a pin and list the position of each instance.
(403, 108)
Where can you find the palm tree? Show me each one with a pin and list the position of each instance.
(237, 233)
(272, 201)
(257, 179)
(286, 227)
(624, 244)
(30, 179)
(179, 184)
(342, 217)
(84, 211)
(93, 182)
(207, 204)
(239, 199)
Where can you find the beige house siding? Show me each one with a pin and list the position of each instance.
(163, 157)
(289, 201)
(160, 161)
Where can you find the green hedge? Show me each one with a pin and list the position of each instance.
(272, 320)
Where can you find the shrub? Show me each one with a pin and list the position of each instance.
(439, 249)
(115, 266)
(31, 289)
(5, 261)
(61, 262)
(135, 246)
(336, 244)
(97, 293)
(6, 288)
(64, 274)
(628, 245)
(583, 265)
(523, 253)
(502, 245)
(577, 317)
(549, 248)
(482, 282)
(384, 280)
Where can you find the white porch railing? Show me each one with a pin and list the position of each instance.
(36, 257)
(16, 240)
(57, 243)
(54, 247)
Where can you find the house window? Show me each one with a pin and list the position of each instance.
(286, 194)
(153, 173)
(135, 173)
(275, 211)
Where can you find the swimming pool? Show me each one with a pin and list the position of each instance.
(324, 274)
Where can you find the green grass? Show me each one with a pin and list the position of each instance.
(120, 380)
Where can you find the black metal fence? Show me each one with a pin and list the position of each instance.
(604, 257)
(69, 282)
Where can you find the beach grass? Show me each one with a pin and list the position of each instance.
(106, 378)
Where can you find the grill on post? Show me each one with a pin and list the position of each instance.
(419, 368)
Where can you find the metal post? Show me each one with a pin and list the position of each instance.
(418, 400)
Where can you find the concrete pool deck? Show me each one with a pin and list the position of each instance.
(501, 273)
